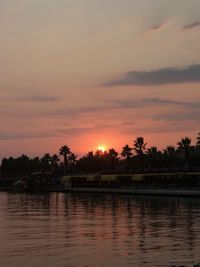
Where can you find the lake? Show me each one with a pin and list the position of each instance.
(88, 230)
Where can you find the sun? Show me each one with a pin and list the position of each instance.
(101, 148)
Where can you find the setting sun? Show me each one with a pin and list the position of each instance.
(101, 148)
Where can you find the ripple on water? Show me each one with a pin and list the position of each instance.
(82, 230)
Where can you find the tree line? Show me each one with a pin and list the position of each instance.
(138, 157)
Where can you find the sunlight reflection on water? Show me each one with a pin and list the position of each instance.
(79, 230)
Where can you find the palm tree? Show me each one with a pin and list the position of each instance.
(154, 155)
(99, 153)
(152, 151)
(54, 162)
(112, 156)
(35, 164)
(198, 140)
(139, 146)
(65, 152)
(184, 145)
(72, 159)
(170, 155)
(126, 152)
(45, 160)
(90, 155)
(169, 150)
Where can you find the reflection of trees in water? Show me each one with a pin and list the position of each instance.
(136, 219)
(190, 224)
(143, 217)
(131, 226)
(142, 225)
(170, 208)
(172, 220)
(27, 203)
(128, 222)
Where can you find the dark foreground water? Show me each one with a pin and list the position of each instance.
(64, 230)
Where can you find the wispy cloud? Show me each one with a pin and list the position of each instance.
(168, 102)
(180, 116)
(191, 26)
(156, 28)
(75, 131)
(70, 132)
(112, 105)
(23, 135)
(160, 127)
(181, 111)
(104, 107)
(36, 98)
(159, 77)
(176, 116)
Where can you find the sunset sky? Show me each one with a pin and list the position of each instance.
(94, 72)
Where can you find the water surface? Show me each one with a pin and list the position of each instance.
(87, 230)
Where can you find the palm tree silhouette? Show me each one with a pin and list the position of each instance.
(184, 145)
(154, 155)
(170, 155)
(54, 162)
(139, 146)
(72, 159)
(65, 152)
(112, 156)
(169, 150)
(46, 160)
(126, 152)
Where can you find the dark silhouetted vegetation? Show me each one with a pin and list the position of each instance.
(138, 158)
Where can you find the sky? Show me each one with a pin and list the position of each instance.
(87, 72)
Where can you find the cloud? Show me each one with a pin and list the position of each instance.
(156, 28)
(155, 101)
(76, 131)
(70, 132)
(159, 127)
(187, 111)
(191, 25)
(36, 98)
(181, 115)
(22, 135)
(109, 105)
(178, 112)
(159, 77)
(167, 102)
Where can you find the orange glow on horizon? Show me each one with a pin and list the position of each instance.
(101, 148)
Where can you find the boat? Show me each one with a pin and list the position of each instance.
(170, 183)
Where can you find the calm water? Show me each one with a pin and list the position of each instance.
(64, 230)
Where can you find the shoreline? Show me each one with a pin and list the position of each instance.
(182, 192)
(147, 192)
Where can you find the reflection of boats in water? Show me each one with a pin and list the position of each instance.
(182, 264)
